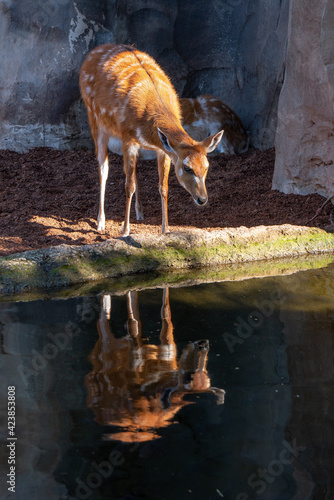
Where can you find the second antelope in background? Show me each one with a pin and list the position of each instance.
(128, 96)
(206, 115)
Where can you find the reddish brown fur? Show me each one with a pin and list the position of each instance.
(128, 96)
(140, 386)
(201, 117)
(207, 114)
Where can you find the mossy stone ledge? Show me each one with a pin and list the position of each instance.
(68, 265)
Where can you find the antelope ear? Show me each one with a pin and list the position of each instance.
(165, 142)
(212, 141)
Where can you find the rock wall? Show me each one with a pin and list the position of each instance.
(305, 134)
(234, 49)
(42, 46)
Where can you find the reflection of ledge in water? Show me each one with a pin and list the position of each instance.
(195, 276)
(183, 277)
(138, 386)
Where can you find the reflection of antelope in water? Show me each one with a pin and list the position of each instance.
(138, 386)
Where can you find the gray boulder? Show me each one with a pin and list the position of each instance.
(305, 134)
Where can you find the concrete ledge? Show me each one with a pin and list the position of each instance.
(69, 265)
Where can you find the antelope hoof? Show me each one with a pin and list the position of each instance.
(101, 224)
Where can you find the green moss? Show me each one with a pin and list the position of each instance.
(20, 275)
(67, 266)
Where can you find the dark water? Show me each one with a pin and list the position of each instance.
(213, 391)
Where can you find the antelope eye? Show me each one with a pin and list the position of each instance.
(188, 169)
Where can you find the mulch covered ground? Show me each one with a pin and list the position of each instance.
(49, 197)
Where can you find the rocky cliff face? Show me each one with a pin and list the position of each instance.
(233, 49)
(305, 135)
(42, 46)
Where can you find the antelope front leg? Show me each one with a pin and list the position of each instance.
(101, 145)
(164, 167)
(138, 205)
(103, 322)
(166, 334)
(134, 325)
(130, 152)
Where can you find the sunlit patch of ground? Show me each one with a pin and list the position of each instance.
(51, 197)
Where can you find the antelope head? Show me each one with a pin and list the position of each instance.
(191, 163)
